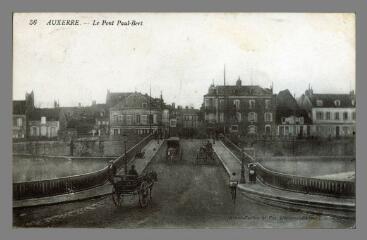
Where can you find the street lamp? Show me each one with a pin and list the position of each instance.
(125, 160)
(243, 179)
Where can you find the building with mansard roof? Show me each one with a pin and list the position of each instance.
(333, 115)
(136, 113)
(246, 110)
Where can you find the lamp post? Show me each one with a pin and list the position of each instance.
(243, 179)
(125, 160)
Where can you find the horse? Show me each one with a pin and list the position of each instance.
(150, 177)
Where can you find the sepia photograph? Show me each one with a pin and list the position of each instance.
(184, 120)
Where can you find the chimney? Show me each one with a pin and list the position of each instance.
(239, 82)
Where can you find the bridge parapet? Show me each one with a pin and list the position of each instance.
(290, 182)
(70, 184)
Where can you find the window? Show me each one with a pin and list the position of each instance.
(207, 102)
(267, 130)
(234, 128)
(19, 122)
(43, 120)
(281, 130)
(286, 130)
(115, 118)
(252, 117)
(353, 102)
(319, 103)
(337, 103)
(155, 118)
(238, 117)
(144, 119)
(221, 103)
(268, 117)
(345, 115)
(283, 120)
(354, 115)
(53, 132)
(319, 115)
(327, 115)
(34, 131)
(115, 132)
(346, 131)
(221, 117)
(267, 104)
(251, 104)
(237, 104)
(128, 119)
(137, 119)
(252, 129)
(43, 130)
(144, 105)
(301, 120)
(336, 116)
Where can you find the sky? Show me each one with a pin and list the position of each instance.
(180, 54)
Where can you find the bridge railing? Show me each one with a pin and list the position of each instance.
(294, 182)
(70, 184)
(305, 184)
(238, 152)
(120, 161)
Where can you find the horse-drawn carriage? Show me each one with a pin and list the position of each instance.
(132, 185)
(205, 154)
(174, 150)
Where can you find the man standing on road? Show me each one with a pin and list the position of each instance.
(233, 182)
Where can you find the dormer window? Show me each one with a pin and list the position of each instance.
(251, 104)
(145, 105)
(319, 103)
(337, 103)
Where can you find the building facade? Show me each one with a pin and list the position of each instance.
(19, 130)
(291, 121)
(44, 123)
(137, 113)
(333, 115)
(21, 111)
(242, 110)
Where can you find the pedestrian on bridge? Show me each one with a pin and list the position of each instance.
(233, 182)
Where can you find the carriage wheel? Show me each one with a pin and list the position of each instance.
(144, 194)
(117, 198)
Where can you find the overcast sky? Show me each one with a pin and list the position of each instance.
(180, 55)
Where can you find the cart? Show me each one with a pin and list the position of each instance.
(205, 154)
(174, 151)
(131, 185)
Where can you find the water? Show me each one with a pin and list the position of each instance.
(310, 167)
(27, 168)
